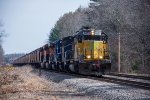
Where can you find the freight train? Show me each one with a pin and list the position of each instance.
(86, 52)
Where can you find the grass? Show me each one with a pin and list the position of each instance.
(6, 75)
(6, 68)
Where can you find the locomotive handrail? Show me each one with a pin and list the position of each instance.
(67, 45)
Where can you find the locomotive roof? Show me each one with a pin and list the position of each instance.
(68, 37)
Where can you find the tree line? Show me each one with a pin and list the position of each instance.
(128, 18)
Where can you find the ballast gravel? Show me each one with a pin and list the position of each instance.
(94, 89)
(48, 85)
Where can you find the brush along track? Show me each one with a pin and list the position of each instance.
(141, 85)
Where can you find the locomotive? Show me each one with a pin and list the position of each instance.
(86, 52)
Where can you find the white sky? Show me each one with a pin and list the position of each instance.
(28, 22)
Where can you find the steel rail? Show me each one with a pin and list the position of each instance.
(130, 76)
(135, 84)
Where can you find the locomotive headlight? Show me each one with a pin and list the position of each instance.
(92, 32)
(88, 56)
(101, 57)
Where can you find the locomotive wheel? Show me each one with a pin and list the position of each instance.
(38, 65)
(53, 66)
(42, 65)
(76, 67)
(50, 66)
(57, 67)
(98, 74)
(47, 67)
(66, 68)
(60, 67)
(71, 67)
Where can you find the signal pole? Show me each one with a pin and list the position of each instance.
(119, 53)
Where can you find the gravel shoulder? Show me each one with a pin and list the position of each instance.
(25, 83)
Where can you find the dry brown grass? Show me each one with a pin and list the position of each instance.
(6, 77)
(18, 81)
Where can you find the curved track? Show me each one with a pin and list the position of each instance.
(128, 82)
(135, 84)
(130, 76)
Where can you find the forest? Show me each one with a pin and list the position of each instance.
(128, 20)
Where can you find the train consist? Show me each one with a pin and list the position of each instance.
(87, 52)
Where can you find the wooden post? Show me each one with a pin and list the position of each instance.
(119, 53)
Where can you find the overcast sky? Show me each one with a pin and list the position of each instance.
(28, 22)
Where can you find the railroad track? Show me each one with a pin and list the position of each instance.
(125, 82)
(136, 84)
(130, 76)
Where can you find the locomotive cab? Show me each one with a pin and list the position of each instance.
(92, 52)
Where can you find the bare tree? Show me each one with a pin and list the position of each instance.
(130, 17)
(1, 49)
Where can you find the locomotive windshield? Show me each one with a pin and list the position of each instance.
(95, 37)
